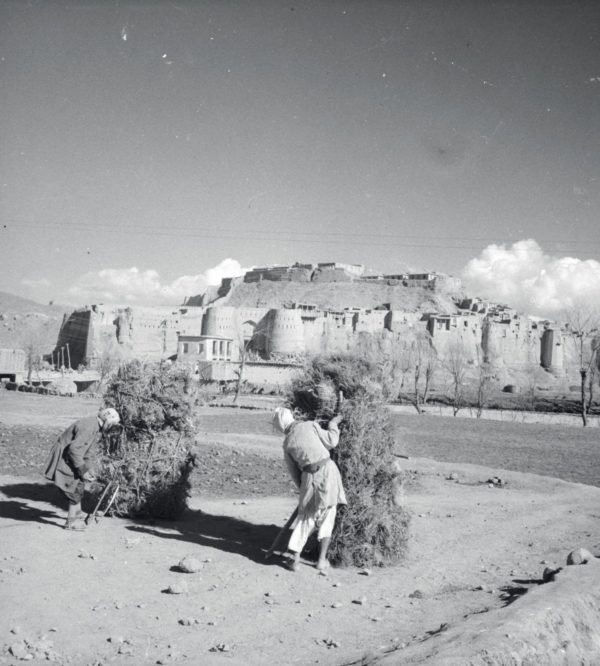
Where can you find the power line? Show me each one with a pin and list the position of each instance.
(267, 234)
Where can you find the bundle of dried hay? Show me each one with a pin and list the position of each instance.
(314, 393)
(150, 457)
(373, 529)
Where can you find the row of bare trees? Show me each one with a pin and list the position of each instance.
(408, 363)
(584, 325)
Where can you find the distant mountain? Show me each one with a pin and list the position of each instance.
(19, 305)
(20, 317)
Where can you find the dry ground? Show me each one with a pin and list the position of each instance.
(98, 596)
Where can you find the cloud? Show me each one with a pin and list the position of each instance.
(143, 287)
(525, 278)
(41, 283)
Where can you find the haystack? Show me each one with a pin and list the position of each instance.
(151, 456)
(372, 530)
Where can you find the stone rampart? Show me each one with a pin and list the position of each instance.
(143, 331)
(76, 332)
(331, 275)
(515, 342)
(285, 334)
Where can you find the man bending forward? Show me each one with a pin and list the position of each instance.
(306, 451)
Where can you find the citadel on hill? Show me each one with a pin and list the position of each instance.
(281, 312)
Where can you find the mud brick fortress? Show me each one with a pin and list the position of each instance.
(256, 312)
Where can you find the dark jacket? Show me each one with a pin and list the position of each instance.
(72, 455)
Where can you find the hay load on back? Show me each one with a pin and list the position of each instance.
(151, 458)
(372, 530)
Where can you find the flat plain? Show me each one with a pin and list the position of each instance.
(476, 551)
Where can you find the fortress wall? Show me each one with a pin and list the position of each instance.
(221, 321)
(335, 337)
(370, 321)
(570, 353)
(144, 331)
(298, 274)
(285, 332)
(448, 331)
(331, 275)
(313, 334)
(397, 321)
(515, 342)
(76, 331)
(254, 315)
(253, 325)
(552, 350)
(447, 283)
(273, 273)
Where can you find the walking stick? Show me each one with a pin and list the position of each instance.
(279, 536)
(110, 501)
(94, 513)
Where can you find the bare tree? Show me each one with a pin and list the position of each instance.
(404, 356)
(424, 364)
(593, 379)
(34, 343)
(431, 366)
(109, 359)
(583, 322)
(456, 362)
(534, 372)
(484, 381)
(381, 349)
(245, 350)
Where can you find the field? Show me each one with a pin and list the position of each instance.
(565, 452)
(474, 550)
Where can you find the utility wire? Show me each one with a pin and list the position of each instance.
(267, 234)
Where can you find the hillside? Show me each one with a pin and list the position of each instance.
(338, 295)
(19, 305)
(21, 318)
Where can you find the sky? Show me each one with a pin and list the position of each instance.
(148, 149)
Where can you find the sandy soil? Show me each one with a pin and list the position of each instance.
(98, 597)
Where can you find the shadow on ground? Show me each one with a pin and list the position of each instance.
(32, 492)
(231, 535)
(511, 593)
(35, 492)
(15, 510)
(44, 492)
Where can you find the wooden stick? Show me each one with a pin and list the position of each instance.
(95, 511)
(110, 501)
(279, 536)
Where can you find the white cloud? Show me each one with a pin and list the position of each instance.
(41, 283)
(144, 287)
(523, 277)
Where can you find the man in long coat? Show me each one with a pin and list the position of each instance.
(306, 451)
(70, 462)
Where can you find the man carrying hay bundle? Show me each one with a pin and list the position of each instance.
(306, 450)
(69, 463)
